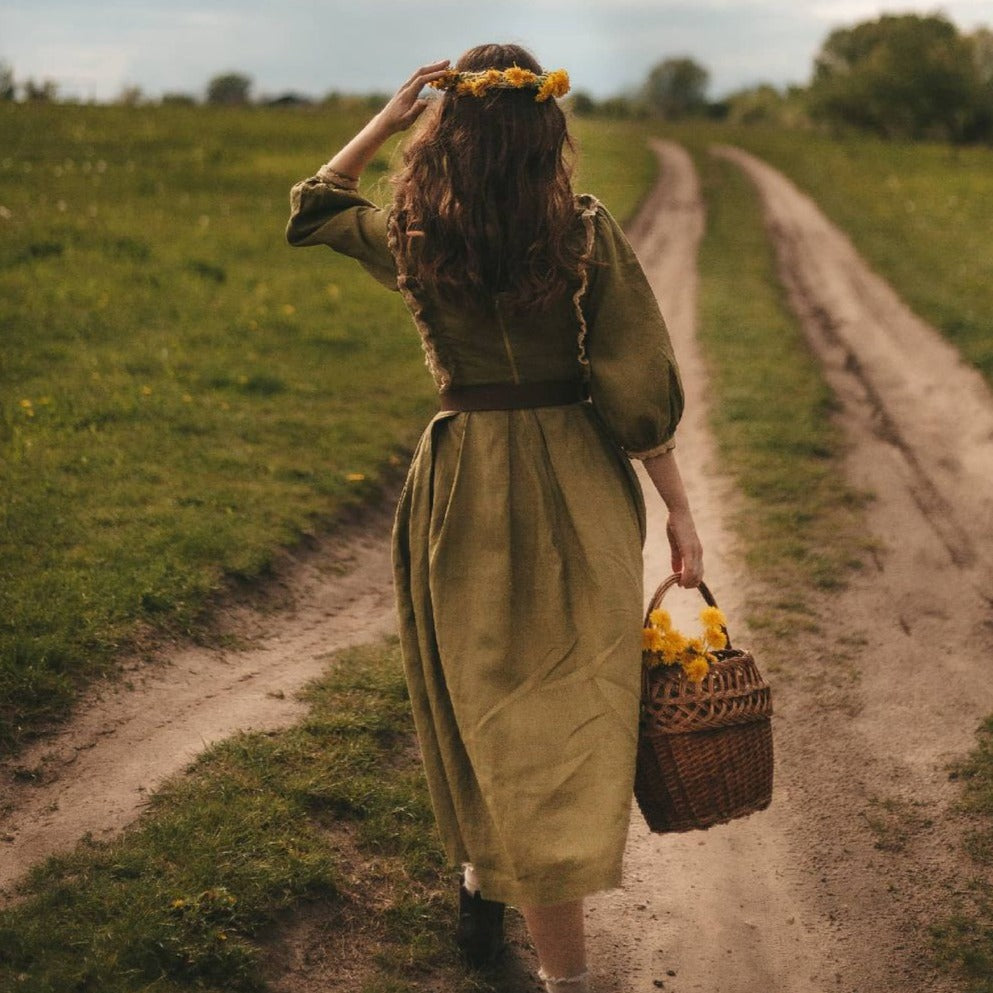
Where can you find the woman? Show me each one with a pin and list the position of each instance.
(518, 537)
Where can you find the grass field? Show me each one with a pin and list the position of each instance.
(126, 504)
(182, 393)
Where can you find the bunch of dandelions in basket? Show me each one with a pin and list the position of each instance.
(662, 644)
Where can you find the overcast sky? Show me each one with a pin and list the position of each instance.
(93, 49)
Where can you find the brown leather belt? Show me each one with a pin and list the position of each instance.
(513, 396)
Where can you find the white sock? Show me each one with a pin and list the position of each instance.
(471, 882)
(569, 984)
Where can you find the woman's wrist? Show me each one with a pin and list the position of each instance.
(380, 127)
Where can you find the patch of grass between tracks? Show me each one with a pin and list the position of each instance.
(330, 818)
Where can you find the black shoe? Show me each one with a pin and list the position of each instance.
(479, 934)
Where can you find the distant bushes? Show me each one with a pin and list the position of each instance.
(906, 76)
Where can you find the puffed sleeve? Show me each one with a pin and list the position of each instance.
(324, 214)
(634, 380)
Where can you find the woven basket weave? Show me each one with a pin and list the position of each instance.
(704, 749)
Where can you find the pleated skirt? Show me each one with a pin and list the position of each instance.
(517, 556)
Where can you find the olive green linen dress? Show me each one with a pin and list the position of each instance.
(517, 557)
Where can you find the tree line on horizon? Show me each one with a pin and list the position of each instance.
(908, 76)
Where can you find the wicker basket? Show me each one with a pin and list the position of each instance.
(704, 749)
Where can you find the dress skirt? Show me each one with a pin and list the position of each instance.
(518, 569)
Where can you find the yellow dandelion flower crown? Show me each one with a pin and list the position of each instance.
(477, 84)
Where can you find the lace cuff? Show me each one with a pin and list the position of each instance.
(666, 446)
(337, 179)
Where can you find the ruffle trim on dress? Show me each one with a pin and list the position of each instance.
(441, 375)
(591, 205)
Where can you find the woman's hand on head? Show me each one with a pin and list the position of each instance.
(405, 106)
(687, 552)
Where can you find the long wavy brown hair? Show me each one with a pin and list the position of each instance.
(483, 203)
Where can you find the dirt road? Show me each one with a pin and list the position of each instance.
(832, 887)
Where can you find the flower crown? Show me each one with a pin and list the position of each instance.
(477, 84)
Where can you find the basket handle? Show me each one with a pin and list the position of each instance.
(667, 585)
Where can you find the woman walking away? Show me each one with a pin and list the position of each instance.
(518, 537)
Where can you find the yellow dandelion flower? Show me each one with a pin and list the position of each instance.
(444, 82)
(713, 617)
(187, 398)
(716, 638)
(651, 639)
(556, 84)
(696, 646)
(494, 77)
(177, 903)
(478, 87)
(696, 670)
(673, 644)
(519, 77)
(26, 403)
(661, 619)
(355, 477)
(146, 391)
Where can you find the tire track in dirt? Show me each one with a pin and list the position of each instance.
(882, 701)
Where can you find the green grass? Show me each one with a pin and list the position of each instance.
(330, 817)
(921, 214)
(180, 393)
(965, 940)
